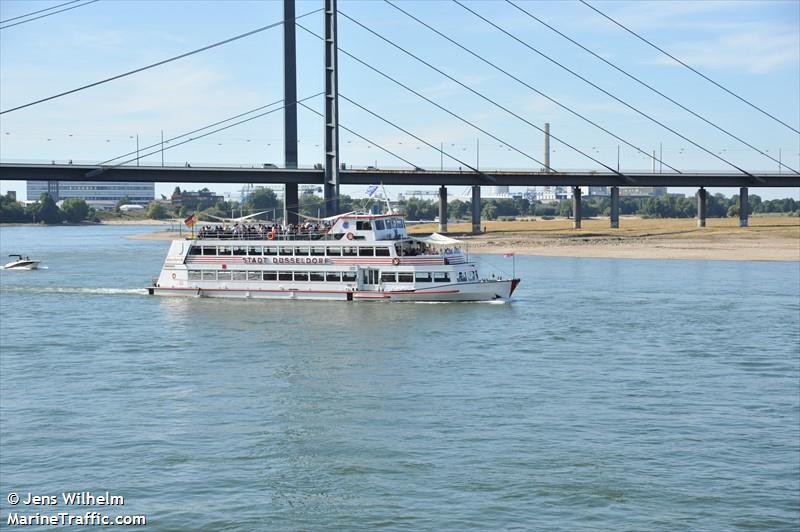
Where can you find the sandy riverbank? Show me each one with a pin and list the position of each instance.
(769, 238)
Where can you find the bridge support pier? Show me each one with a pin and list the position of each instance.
(290, 197)
(702, 207)
(614, 207)
(576, 207)
(744, 207)
(442, 209)
(476, 208)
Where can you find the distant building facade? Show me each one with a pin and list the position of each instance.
(642, 192)
(100, 195)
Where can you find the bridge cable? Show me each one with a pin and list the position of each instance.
(451, 113)
(629, 106)
(376, 115)
(631, 76)
(689, 67)
(45, 15)
(165, 61)
(38, 11)
(194, 131)
(512, 76)
(464, 85)
(102, 169)
(365, 139)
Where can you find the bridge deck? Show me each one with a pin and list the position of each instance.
(67, 172)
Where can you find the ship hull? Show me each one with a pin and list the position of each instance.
(479, 291)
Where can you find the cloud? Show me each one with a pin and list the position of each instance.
(755, 52)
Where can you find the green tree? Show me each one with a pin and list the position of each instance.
(261, 199)
(47, 211)
(12, 211)
(75, 210)
(156, 211)
(124, 201)
(489, 211)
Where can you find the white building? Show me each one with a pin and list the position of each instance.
(100, 195)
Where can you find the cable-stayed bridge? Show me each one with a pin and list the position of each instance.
(332, 174)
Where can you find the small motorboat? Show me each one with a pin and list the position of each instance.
(21, 263)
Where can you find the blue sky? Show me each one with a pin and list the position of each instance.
(751, 47)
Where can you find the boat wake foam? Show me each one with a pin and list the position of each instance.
(75, 290)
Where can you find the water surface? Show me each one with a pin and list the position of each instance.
(611, 394)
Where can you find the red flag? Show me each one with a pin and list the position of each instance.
(191, 220)
(508, 254)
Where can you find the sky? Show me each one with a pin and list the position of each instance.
(752, 48)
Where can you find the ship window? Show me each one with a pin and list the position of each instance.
(363, 225)
(333, 277)
(366, 252)
(318, 251)
(473, 275)
(224, 250)
(224, 276)
(194, 275)
(269, 276)
(381, 252)
(255, 250)
(271, 250)
(253, 276)
(239, 250)
(284, 276)
(209, 275)
(401, 223)
(195, 250)
(209, 251)
(239, 275)
(334, 252)
(387, 277)
(316, 276)
(405, 277)
(379, 225)
(462, 277)
(349, 252)
(301, 276)
(303, 251)
(349, 277)
(286, 251)
(422, 277)
(441, 277)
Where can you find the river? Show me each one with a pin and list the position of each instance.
(610, 394)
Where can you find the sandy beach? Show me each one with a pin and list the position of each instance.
(769, 238)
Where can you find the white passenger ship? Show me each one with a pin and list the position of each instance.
(351, 257)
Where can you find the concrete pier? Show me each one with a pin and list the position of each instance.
(442, 209)
(576, 207)
(744, 207)
(476, 208)
(702, 207)
(615, 207)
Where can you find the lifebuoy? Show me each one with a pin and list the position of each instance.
(395, 261)
(174, 275)
(350, 236)
(270, 235)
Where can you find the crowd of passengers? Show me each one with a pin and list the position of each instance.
(263, 231)
(420, 248)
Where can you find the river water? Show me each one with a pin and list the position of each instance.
(610, 394)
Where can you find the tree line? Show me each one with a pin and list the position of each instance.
(75, 210)
(653, 207)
